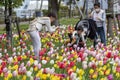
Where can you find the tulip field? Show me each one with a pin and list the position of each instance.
(57, 60)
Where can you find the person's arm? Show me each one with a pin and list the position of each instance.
(48, 25)
(103, 16)
(91, 14)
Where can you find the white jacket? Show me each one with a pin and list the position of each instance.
(40, 23)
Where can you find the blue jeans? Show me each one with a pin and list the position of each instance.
(101, 33)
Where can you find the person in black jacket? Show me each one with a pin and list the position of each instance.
(89, 28)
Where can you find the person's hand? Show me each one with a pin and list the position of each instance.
(57, 28)
(90, 16)
(98, 18)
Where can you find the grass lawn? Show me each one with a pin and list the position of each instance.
(63, 21)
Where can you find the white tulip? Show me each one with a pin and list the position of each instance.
(44, 61)
(51, 61)
(35, 62)
(29, 73)
(31, 69)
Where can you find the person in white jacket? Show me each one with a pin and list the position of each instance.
(99, 16)
(37, 25)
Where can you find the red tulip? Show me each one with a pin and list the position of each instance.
(94, 66)
(80, 54)
(71, 48)
(0, 71)
(19, 58)
(109, 55)
(3, 64)
(71, 64)
(61, 65)
(42, 52)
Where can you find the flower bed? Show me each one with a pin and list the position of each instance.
(58, 61)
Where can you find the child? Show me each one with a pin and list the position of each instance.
(77, 37)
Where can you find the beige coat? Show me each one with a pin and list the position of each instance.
(40, 23)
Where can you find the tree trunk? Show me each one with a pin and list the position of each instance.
(115, 23)
(118, 22)
(8, 15)
(54, 7)
(41, 5)
(109, 26)
(70, 2)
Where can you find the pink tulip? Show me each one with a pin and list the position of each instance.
(84, 66)
(39, 66)
(22, 65)
(66, 49)
(78, 59)
(14, 73)
(90, 64)
(98, 56)
(5, 70)
(28, 63)
(85, 55)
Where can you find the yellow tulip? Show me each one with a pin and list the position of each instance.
(60, 58)
(91, 71)
(36, 69)
(74, 68)
(81, 78)
(39, 74)
(55, 65)
(44, 76)
(104, 67)
(107, 72)
(9, 75)
(108, 65)
(100, 63)
(68, 78)
(24, 77)
(31, 61)
(1, 75)
(103, 79)
(101, 73)
(15, 67)
(9, 67)
(114, 71)
(48, 75)
(81, 72)
(24, 57)
(117, 75)
(6, 78)
(94, 76)
(91, 58)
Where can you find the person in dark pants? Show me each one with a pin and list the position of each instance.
(99, 16)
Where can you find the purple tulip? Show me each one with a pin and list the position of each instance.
(110, 77)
